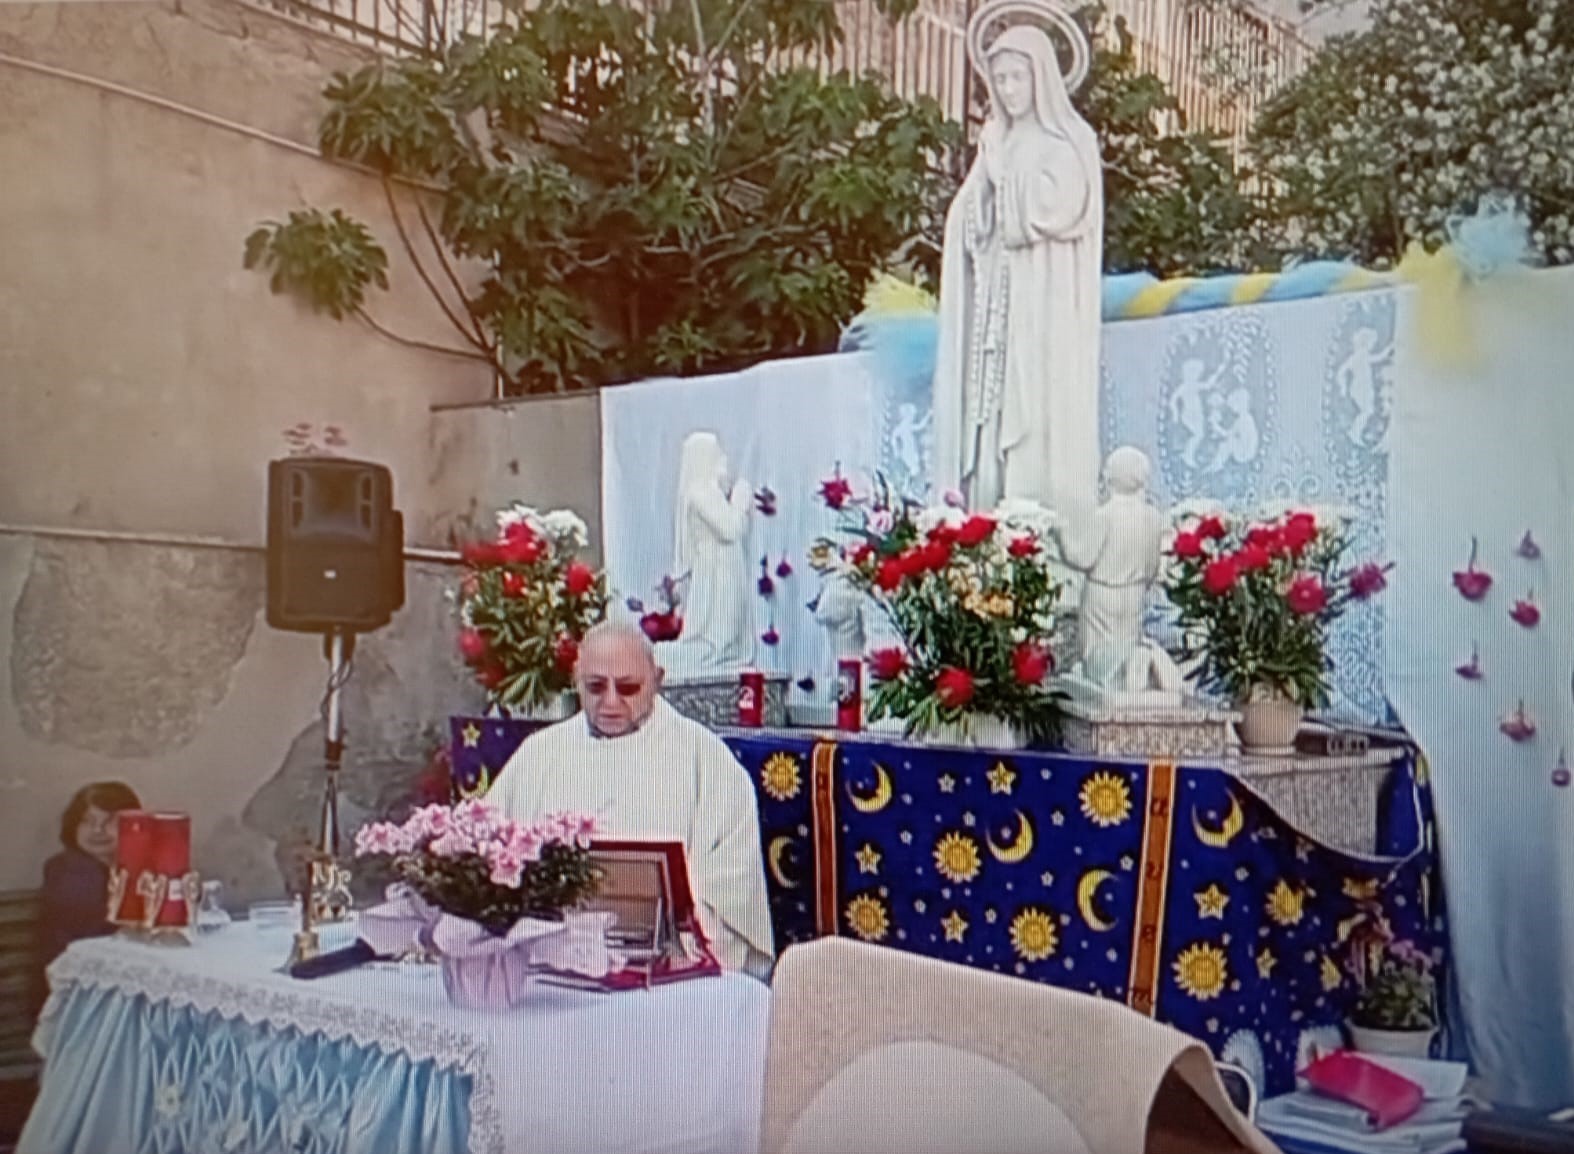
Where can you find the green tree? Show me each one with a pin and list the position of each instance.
(1391, 131)
(642, 190)
(1173, 203)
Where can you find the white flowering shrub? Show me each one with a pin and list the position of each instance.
(1392, 130)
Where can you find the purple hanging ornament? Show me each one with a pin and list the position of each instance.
(765, 501)
(1471, 670)
(784, 568)
(765, 585)
(1518, 726)
(806, 684)
(1560, 772)
(770, 636)
(1471, 582)
(1528, 549)
(1525, 612)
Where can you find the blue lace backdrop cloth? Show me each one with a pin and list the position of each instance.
(1175, 890)
(1269, 402)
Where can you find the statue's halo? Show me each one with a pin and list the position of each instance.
(1051, 15)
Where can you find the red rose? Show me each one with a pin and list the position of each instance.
(1031, 663)
(1219, 575)
(836, 492)
(934, 556)
(1023, 546)
(943, 532)
(565, 653)
(491, 674)
(520, 545)
(1367, 581)
(887, 664)
(1265, 537)
(479, 554)
(975, 530)
(578, 579)
(473, 645)
(890, 573)
(861, 554)
(1210, 527)
(1306, 594)
(954, 687)
(513, 584)
(1187, 546)
(1299, 532)
(1252, 557)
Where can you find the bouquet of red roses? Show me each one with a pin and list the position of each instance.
(1255, 599)
(525, 604)
(972, 599)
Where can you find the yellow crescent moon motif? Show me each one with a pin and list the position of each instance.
(1019, 848)
(1087, 890)
(483, 782)
(773, 855)
(1233, 823)
(879, 799)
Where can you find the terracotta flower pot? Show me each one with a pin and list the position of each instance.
(1268, 725)
(1394, 1043)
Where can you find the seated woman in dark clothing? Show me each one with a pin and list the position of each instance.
(74, 901)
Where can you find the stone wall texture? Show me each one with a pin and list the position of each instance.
(146, 379)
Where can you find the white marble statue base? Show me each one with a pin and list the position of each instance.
(1194, 729)
(1098, 699)
(713, 701)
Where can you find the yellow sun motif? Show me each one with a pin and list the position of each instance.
(470, 735)
(868, 859)
(1361, 889)
(1105, 800)
(780, 778)
(1265, 962)
(1001, 778)
(1332, 978)
(1211, 902)
(957, 857)
(1201, 971)
(955, 926)
(1285, 903)
(867, 918)
(1033, 935)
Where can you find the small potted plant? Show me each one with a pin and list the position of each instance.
(492, 898)
(1254, 601)
(1396, 1012)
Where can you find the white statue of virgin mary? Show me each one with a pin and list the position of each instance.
(710, 524)
(1016, 377)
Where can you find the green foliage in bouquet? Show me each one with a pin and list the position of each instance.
(973, 601)
(526, 602)
(1255, 600)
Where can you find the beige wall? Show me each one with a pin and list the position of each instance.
(145, 381)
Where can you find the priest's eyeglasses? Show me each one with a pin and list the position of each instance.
(597, 686)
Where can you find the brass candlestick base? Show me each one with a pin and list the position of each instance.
(306, 948)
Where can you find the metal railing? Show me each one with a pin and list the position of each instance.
(1220, 58)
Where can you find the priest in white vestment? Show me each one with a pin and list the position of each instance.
(647, 772)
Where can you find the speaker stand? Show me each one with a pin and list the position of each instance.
(330, 881)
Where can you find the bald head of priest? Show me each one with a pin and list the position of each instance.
(647, 772)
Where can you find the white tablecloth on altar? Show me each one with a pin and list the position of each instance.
(676, 1069)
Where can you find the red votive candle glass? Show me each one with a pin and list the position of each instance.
(172, 862)
(751, 699)
(849, 695)
(133, 857)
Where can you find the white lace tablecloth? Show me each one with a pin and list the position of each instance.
(676, 1070)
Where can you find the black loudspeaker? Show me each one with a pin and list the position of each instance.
(335, 546)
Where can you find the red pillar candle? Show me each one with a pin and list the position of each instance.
(172, 862)
(849, 695)
(133, 858)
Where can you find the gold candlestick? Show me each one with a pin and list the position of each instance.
(306, 945)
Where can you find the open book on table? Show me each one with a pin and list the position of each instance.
(657, 929)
